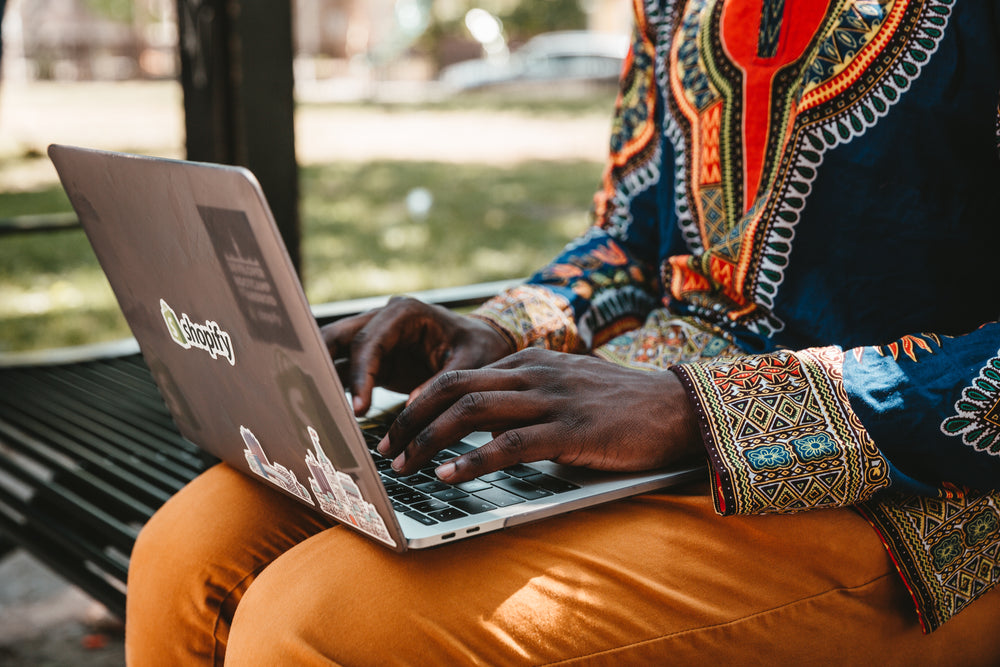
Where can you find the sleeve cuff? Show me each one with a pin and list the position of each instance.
(780, 433)
(531, 316)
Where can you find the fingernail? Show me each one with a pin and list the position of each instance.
(358, 404)
(445, 470)
(383, 445)
(399, 462)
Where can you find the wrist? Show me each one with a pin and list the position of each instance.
(687, 429)
(500, 341)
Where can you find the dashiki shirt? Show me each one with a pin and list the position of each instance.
(801, 215)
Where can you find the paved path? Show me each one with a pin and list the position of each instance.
(45, 621)
(147, 117)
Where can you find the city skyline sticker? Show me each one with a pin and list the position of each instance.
(336, 491)
(275, 473)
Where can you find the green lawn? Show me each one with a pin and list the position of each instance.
(485, 223)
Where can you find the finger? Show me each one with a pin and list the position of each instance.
(338, 335)
(538, 442)
(374, 342)
(460, 359)
(369, 347)
(440, 395)
(343, 368)
(485, 411)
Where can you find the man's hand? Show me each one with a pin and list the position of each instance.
(404, 344)
(540, 405)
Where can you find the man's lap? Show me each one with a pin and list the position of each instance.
(631, 581)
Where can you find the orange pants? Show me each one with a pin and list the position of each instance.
(230, 570)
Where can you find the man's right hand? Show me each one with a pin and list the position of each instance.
(405, 344)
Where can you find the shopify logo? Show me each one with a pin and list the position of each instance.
(207, 336)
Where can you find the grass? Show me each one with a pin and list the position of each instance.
(359, 239)
(485, 223)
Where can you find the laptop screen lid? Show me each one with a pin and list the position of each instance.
(203, 279)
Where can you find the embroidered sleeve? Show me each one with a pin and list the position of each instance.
(909, 433)
(531, 316)
(933, 405)
(945, 547)
(780, 432)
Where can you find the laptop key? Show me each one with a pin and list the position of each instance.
(449, 494)
(461, 448)
(520, 470)
(394, 489)
(428, 506)
(493, 476)
(422, 518)
(413, 480)
(473, 505)
(553, 484)
(499, 497)
(473, 485)
(522, 488)
(449, 514)
(410, 497)
(431, 487)
(399, 507)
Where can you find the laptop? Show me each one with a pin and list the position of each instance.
(203, 278)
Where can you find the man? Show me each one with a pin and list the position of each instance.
(787, 276)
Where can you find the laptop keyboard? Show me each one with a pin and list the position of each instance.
(425, 498)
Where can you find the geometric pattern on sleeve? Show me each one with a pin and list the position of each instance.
(780, 432)
(946, 549)
(532, 317)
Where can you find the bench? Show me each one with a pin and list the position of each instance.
(88, 451)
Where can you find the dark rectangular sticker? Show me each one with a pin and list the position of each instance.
(248, 276)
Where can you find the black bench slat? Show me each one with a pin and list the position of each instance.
(43, 458)
(118, 438)
(88, 451)
(68, 548)
(93, 386)
(48, 497)
(113, 464)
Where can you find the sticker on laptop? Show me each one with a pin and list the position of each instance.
(275, 473)
(208, 336)
(336, 491)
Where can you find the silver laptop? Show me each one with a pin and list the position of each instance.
(203, 278)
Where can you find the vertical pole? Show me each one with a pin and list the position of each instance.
(236, 72)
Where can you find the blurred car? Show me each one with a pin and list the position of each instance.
(571, 55)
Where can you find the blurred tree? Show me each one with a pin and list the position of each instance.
(531, 17)
(116, 10)
(447, 40)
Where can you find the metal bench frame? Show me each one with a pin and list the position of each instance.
(88, 451)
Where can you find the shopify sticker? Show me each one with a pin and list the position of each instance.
(207, 336)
